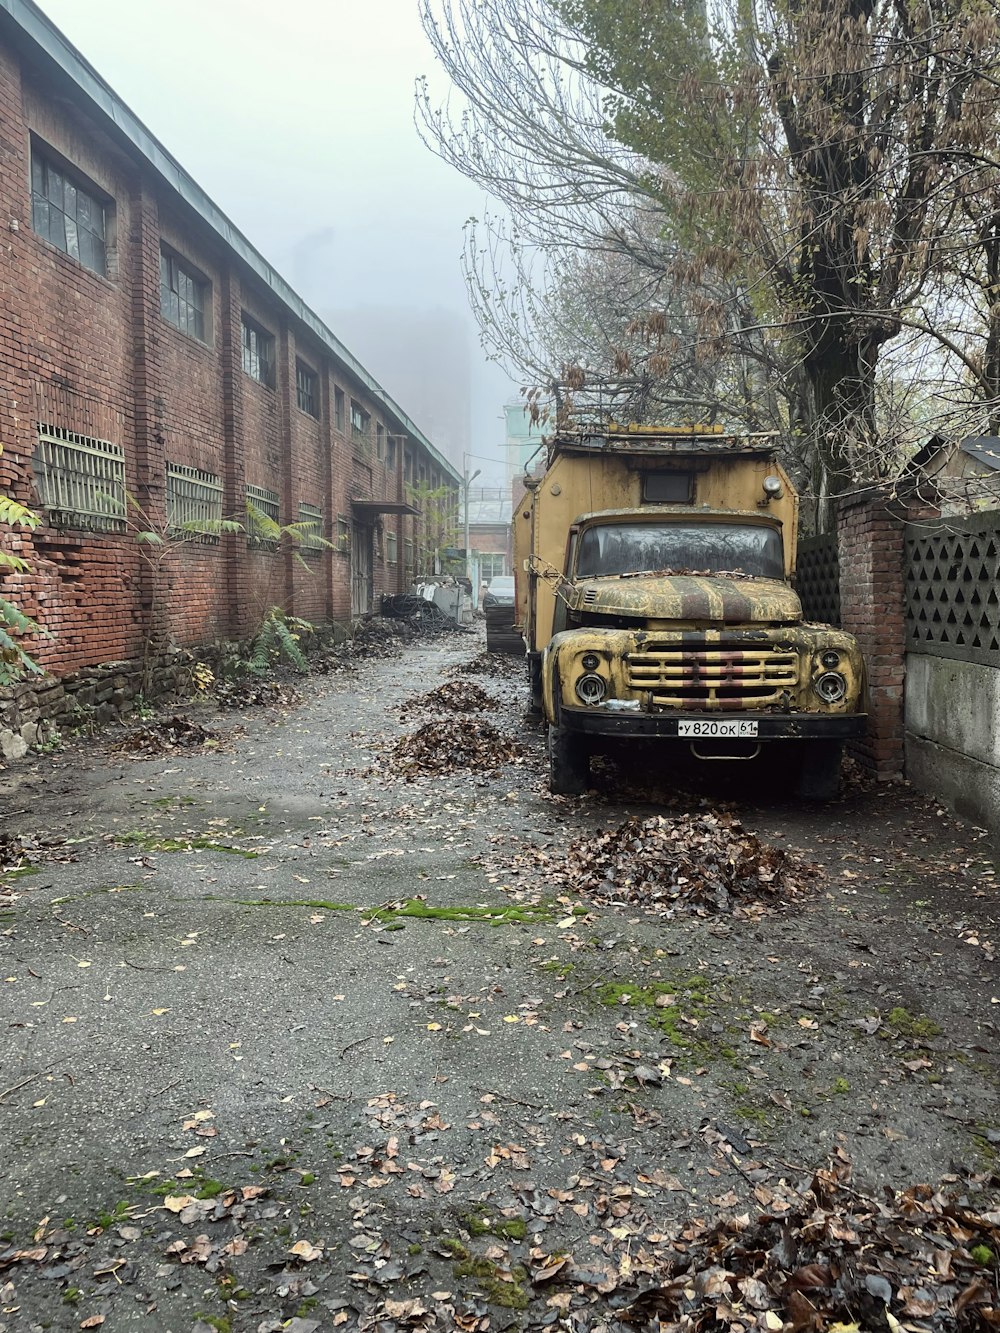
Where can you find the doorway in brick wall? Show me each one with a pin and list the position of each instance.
(361, 569)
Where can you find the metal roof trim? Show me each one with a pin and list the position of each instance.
(46, 36)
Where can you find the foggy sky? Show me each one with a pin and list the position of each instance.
(297, 119)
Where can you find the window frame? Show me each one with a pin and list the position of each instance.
(263, 356)
(339, 409)
(47, 160)
(303, 371)
(201, 287)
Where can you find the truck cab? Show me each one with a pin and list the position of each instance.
(672, 618)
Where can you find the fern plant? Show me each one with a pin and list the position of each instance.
(278, 640)
(267, 531)
(14, 661)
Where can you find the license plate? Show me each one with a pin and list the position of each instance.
(726, 726)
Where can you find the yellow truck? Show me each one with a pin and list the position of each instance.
(654, 594)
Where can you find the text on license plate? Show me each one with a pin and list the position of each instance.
(728, 726)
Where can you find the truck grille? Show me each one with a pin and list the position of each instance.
(716, 676)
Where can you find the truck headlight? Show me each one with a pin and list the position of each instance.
(831, 687)
(590, 661)
(590, 689)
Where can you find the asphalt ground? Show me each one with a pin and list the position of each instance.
(242, 1083)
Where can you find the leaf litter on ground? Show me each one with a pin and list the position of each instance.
(165, 735)
(454, 744)
(457, 696)
(701, 863)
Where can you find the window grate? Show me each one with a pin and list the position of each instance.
(267, 503)
(194, 500)
(81, 480)
(312, 514)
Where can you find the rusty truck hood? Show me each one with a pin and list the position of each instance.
(730, 601)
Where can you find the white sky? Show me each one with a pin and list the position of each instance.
(296, 117)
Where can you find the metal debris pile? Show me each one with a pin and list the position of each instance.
(165, 735)
(501, 666)
(705, 864)
(457, 696)
(454, 744)
(833, 1258)
(424, 618)
(255, 694)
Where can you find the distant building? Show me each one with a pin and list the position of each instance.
(522, 440)
(489, 532)
(424, 359)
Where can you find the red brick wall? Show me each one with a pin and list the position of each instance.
(870, 549)
(95, 356)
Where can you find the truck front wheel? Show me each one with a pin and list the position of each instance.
(569, 763)
(819, 774)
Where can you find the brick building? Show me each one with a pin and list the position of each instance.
(153, 360)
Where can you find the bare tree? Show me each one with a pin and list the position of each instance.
(804, 176)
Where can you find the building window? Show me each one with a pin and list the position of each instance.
(491, 565)
(408, 555)
(307, 389)
(311, 536)
(338, 409)
(80, 480)
(343, 534)
(360, 425)
(263, 516)
(68, 215)
(390, 453)
(182, 296)
(194, 501)
(379, 440)
(258, 353)
(390, 548)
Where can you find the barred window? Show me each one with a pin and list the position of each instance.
(338, 408)
(67, 214)
(390, 547)
(390, 457)
(379, 440)
(80, 480)
(258, 353)
(182, 296)
(194, 500)
(307, 389)
(312, 514)
(408, 553)
(266, 503)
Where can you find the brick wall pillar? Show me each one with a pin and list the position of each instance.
(870, 533)
(237, 563)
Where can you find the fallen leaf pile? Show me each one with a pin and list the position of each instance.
(255, 694)
(454, 744)
(166, 734)
(835, 1260)
(707, 863)
(501, 666)
(458, 696)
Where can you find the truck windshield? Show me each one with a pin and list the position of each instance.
(680, 548)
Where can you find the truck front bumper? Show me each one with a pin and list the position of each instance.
(770, 726)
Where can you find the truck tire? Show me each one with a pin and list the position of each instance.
(569, 763)
(819, 774)
(535, 684)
